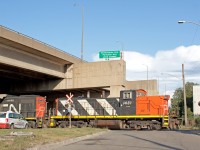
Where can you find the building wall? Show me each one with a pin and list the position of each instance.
(99, 74)
(142, 84)
(196, 99)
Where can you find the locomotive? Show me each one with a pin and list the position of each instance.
(132, 110)
(32, 107)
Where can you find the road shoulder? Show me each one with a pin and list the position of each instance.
(56, 145)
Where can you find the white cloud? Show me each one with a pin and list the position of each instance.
(165, 65)
(171, 60)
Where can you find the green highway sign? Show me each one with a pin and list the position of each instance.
(109, 54)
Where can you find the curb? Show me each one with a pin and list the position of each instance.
(52, 146)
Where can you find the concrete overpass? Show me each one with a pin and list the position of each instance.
(25, 59)
(30, 66)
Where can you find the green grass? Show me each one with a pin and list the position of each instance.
(41, 136)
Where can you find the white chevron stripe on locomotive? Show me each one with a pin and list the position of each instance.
(86, 105)
(74, 112)
(106, 105)
(63, 102)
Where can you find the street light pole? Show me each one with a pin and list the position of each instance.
(82, 32)
(184, 94)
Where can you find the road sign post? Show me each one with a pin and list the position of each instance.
(109, 54)
(69, 103)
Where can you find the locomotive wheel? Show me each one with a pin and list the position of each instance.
(170, 126)
(62, 125)
(149, 127)
(32, 124)
(79, 125)
(158, 127)
(44, 125)
(120, 124)
(138, 127)
(177, 127)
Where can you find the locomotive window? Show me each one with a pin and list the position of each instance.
(127, 95)
(140, 94)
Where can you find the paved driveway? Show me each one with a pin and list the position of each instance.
(138, 140)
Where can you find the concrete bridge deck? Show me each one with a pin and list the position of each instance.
(24, 52)
(28, 65)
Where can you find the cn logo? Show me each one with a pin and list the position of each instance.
(199, 103)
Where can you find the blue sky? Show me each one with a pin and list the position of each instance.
(147, 31)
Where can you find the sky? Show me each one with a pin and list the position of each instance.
(147, 31)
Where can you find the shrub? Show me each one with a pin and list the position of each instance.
(197, 121)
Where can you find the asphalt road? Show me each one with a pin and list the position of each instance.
(138, 140)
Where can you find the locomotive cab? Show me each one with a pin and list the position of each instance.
(127, 102)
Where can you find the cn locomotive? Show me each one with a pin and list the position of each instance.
(32, 107)
(132, 110)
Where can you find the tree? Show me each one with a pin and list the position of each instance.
(178, 102)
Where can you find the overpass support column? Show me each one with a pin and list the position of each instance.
(103, 95)
(88, 94)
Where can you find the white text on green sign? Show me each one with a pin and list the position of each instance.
(109, 54)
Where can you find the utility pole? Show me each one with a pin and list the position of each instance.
(184, 96)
